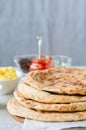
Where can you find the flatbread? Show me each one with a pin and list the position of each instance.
(80, 106)
(20, 119)
(59, 80)
(31, 93)
(14, 108)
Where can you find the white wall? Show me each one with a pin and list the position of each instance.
(61, 22)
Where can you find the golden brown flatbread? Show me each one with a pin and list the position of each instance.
(59, 80)
(20, 119)
(80, 106)
(14, 108)
(32, 93)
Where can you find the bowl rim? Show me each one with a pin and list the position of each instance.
(23, 56)
(30, 55)
(62, 56)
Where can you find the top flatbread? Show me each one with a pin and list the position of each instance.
(59, 80)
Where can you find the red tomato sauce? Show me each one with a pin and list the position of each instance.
(43, 63)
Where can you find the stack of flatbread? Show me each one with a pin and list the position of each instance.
(56, 94)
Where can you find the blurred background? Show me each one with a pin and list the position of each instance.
(61, 22)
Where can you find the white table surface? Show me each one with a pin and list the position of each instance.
(6, 121)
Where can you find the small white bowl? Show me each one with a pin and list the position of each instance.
(8, 86)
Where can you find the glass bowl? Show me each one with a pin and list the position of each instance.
(24, 61)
